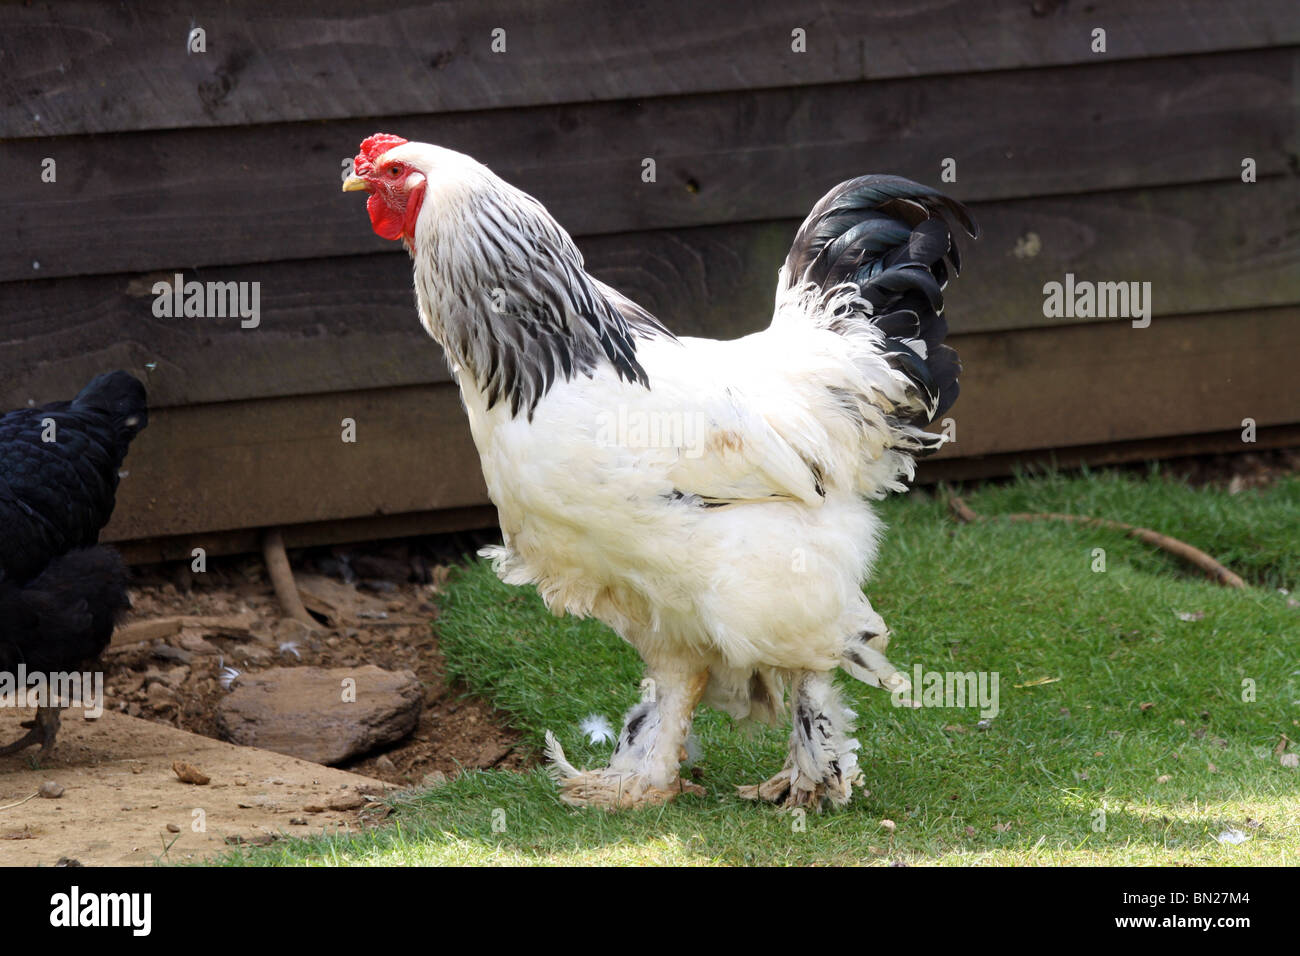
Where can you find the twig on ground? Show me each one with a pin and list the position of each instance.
(1195, 556)
(10, 806)
(286, 589)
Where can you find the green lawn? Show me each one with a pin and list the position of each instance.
(1143, 717)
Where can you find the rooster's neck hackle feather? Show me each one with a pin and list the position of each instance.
(503, 289)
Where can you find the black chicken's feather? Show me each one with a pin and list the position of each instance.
(63, 618)
(56, 495)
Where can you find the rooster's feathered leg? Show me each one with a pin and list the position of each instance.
(44, 728)
(644, 768)
(823, 762)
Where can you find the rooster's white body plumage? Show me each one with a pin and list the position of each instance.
(708, 500)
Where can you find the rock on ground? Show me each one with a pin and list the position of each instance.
(314, 713)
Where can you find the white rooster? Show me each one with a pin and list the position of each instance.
(707, 500)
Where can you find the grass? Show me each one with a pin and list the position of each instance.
(1143, 718)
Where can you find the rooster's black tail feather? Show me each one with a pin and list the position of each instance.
(889, 237)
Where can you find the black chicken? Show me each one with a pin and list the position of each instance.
(60, 593)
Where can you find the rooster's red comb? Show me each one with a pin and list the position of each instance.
(371, 149)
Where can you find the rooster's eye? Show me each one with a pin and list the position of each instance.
(394, 170)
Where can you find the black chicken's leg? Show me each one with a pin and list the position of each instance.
(44, 729)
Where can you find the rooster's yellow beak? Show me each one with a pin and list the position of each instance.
(353, 183)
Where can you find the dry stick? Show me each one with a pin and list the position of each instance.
(10, 806)
(286, 589)
(963, 513)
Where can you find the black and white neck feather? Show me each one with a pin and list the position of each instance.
(502, 288)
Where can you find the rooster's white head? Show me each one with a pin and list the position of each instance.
(397, 174)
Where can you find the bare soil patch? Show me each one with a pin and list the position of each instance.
(178, 680)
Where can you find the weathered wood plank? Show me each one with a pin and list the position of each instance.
(1104, 455)
(249, 541)
(179, 548)
(222, 197)
(282, 462)
(86, 67)
(250, 464)
(349, 323)
(1090, 384)
(327, 325)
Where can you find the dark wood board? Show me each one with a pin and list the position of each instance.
(1091, 384)
(332, 325)
(1104, 455)
(250, 464)
(79, 66)
(350, 323)
(482, 517)
(316, 534)
(192, 198)
(283, 461)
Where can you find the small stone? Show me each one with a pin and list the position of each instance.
(347, 801)
(188, 773)
(168, 653)
(291, 630)
(889, 825)
(255, 654)
(196, 644)
(160, 696)
(50, 790)
(434, 780)
(175, 676)
(173, 828)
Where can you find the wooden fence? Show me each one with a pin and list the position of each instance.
(224, 165)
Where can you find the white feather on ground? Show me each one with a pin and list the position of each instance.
(597, 730)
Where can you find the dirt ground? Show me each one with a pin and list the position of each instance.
(120, 803)
(377, 604)
(388, 593)
(203, 631)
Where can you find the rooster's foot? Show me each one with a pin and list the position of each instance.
(610, 788)
(791, 791)
(603, 788)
